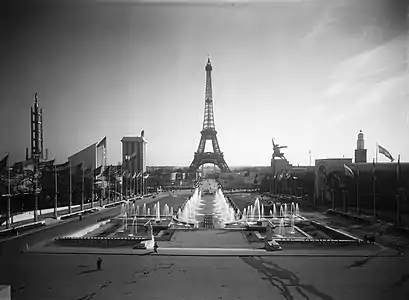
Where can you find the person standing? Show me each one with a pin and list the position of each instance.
(155, 247)
(99, 263)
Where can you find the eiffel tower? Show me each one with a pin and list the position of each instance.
(209, 132)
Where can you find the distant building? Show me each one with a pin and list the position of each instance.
(92, 156)
(279, 165)
(134, 154)
(323, 169)
(360, 151)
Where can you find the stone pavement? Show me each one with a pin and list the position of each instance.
(74, 277)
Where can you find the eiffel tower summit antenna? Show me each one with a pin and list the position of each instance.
(209, 131)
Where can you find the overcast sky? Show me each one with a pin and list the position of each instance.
(309, 73)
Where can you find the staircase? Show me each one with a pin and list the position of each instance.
(208, 222)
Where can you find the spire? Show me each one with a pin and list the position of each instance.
(208, 117)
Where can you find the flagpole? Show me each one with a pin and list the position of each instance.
(70, 193)
(56, 193)
(92, 188)
(122, 180)
(35, 188)
(374, 191)
(398, 194)
(357, 192)
(82, 190)
(8, 196)
(109, 184)
(136, 184)
(377, 147)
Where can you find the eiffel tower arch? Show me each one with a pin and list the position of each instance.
(209, 132)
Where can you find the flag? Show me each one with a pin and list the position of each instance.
(3, 163)
(348, 171)
(139, 175)
(102, 143)
(97, 171)
(107, 171)
(88, 172)
(130, 156)
(385, 152)
(134, 176)
(145, 175)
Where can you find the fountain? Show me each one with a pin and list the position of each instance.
(281, 211)
(281, 227)
(166, 210)
(122, 208)
(285, 210)
(158, 212)
(274, 211)
(297, 210)
(134, 230)
(292, 210)
(262, 211)
(144, 209)
(137, 210)
(223, 208)
(292, 224)
(149, 211)
(256, 209)
(244, 215)
(133, 209)
(125, 222)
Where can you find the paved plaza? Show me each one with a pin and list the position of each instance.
(35, 276)
(198, 264)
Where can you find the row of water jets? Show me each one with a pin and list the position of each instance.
(187, 213)
(222, 208)
(257, 212)
(131, 210)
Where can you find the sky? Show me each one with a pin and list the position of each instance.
(311, 74)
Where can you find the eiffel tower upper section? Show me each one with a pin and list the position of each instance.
(209, 132)
(208, 122)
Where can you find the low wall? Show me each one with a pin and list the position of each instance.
(17, 229)
(335, 233)
(98, 241)
(87, 230)
(76, 214)
(113, 204)
(316, 241)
